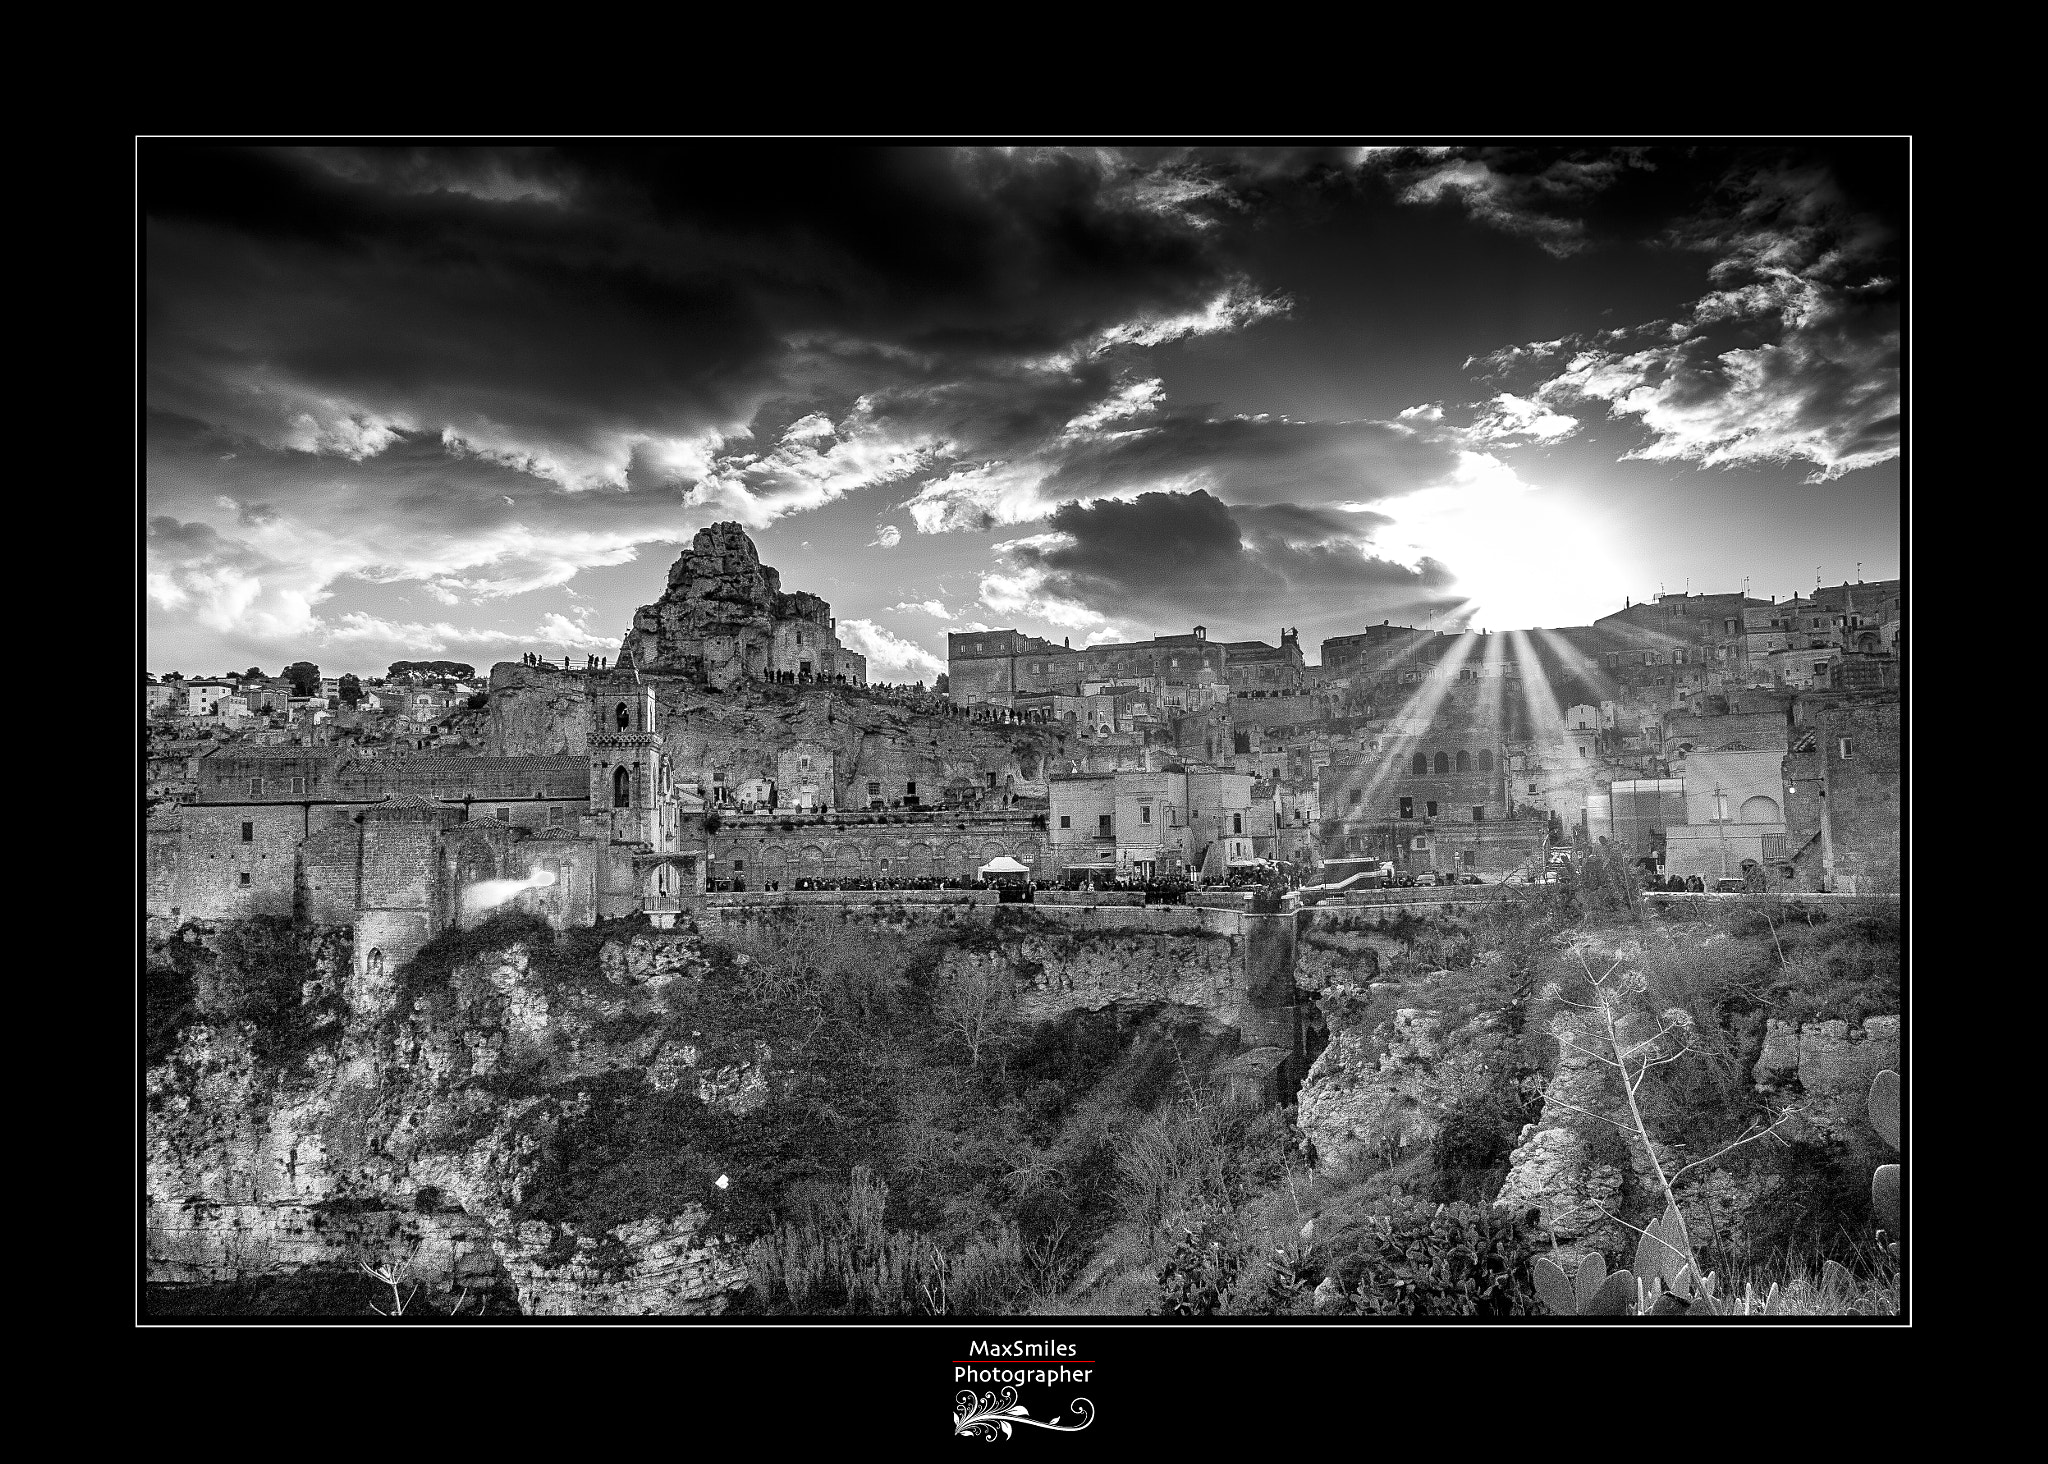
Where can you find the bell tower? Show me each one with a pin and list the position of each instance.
(629, 775)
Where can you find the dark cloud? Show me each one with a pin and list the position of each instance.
(1259, 459)
(549, 306)
(1188, 556)
(1796, 353)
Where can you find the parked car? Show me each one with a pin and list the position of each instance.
(1427, 879)
(1465, 879)
(1731, 886)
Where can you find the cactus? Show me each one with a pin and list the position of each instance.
(1886, 1198)
(1591, 1293)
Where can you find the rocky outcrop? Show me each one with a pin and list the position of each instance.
(1580, 1165)
(716, 620)
(1827, 1068)
(412, 1139)
(1378, 1090)
(651, 1268)
(1054, 973)
(1571, 1166)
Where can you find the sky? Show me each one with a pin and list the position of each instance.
(406, 403)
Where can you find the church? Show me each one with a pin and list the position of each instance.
(402, 848)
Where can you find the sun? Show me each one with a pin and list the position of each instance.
(1522, 555)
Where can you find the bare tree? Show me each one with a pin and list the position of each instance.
(1611, 1030)
(978, 1008)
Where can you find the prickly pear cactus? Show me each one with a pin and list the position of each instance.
(1886, 1197)
(1591, 1293)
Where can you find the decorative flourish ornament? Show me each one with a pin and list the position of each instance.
(990, 1417)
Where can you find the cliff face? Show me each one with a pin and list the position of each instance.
(418, 1136)
(537, 711)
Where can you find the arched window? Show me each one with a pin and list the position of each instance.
(625, 720)
(1443, 764)
(1759, 810)
(374, 963)
(1419, 764)
(1485, 759)
(1464, 761)
(622, 787)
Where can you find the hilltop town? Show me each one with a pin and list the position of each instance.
(734, 744)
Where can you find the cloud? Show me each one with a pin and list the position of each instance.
(1236, 458)
(887, 537)
(928, 607)
(1794, 356)
(890, 657)
(487, 370)
(357, 630)
(1508, 418)
(563, 311)
(1176, 558)
(1519, 191)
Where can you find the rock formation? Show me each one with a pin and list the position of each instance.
(724, 620)
(414, 1137)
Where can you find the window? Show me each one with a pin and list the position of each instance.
(1419, 764)
(374, 963)
(255, 787)
(1479, 813)
(298, 785)
(991, 780)
(1102, 825)
(1532, 787)
(1431, 806)
(1237, 823)
(910, 790)
(554, 813)
(622, 788)
(1846, 746)
(1582, 752)
(1471, 858)
(248, 833)
(1464, 762)
(874, 790)
(1066, 821)
(739, 865)
(1144, 813)
(503, 814)
(1443, 764)
(1407, 808)
(623, 719)
(245, 879)
(1486, 760)
(1357, 796)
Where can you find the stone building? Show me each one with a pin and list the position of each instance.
(1844, 795)
(399, 848)
(994, 667)
(1734, 817)
(779, 851)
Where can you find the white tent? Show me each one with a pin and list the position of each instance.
(1003, 864)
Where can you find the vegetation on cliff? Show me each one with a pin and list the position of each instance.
(868, 1119)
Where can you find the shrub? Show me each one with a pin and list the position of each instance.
(1473, 1139)
(1449, 1261)
(842, 1259)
